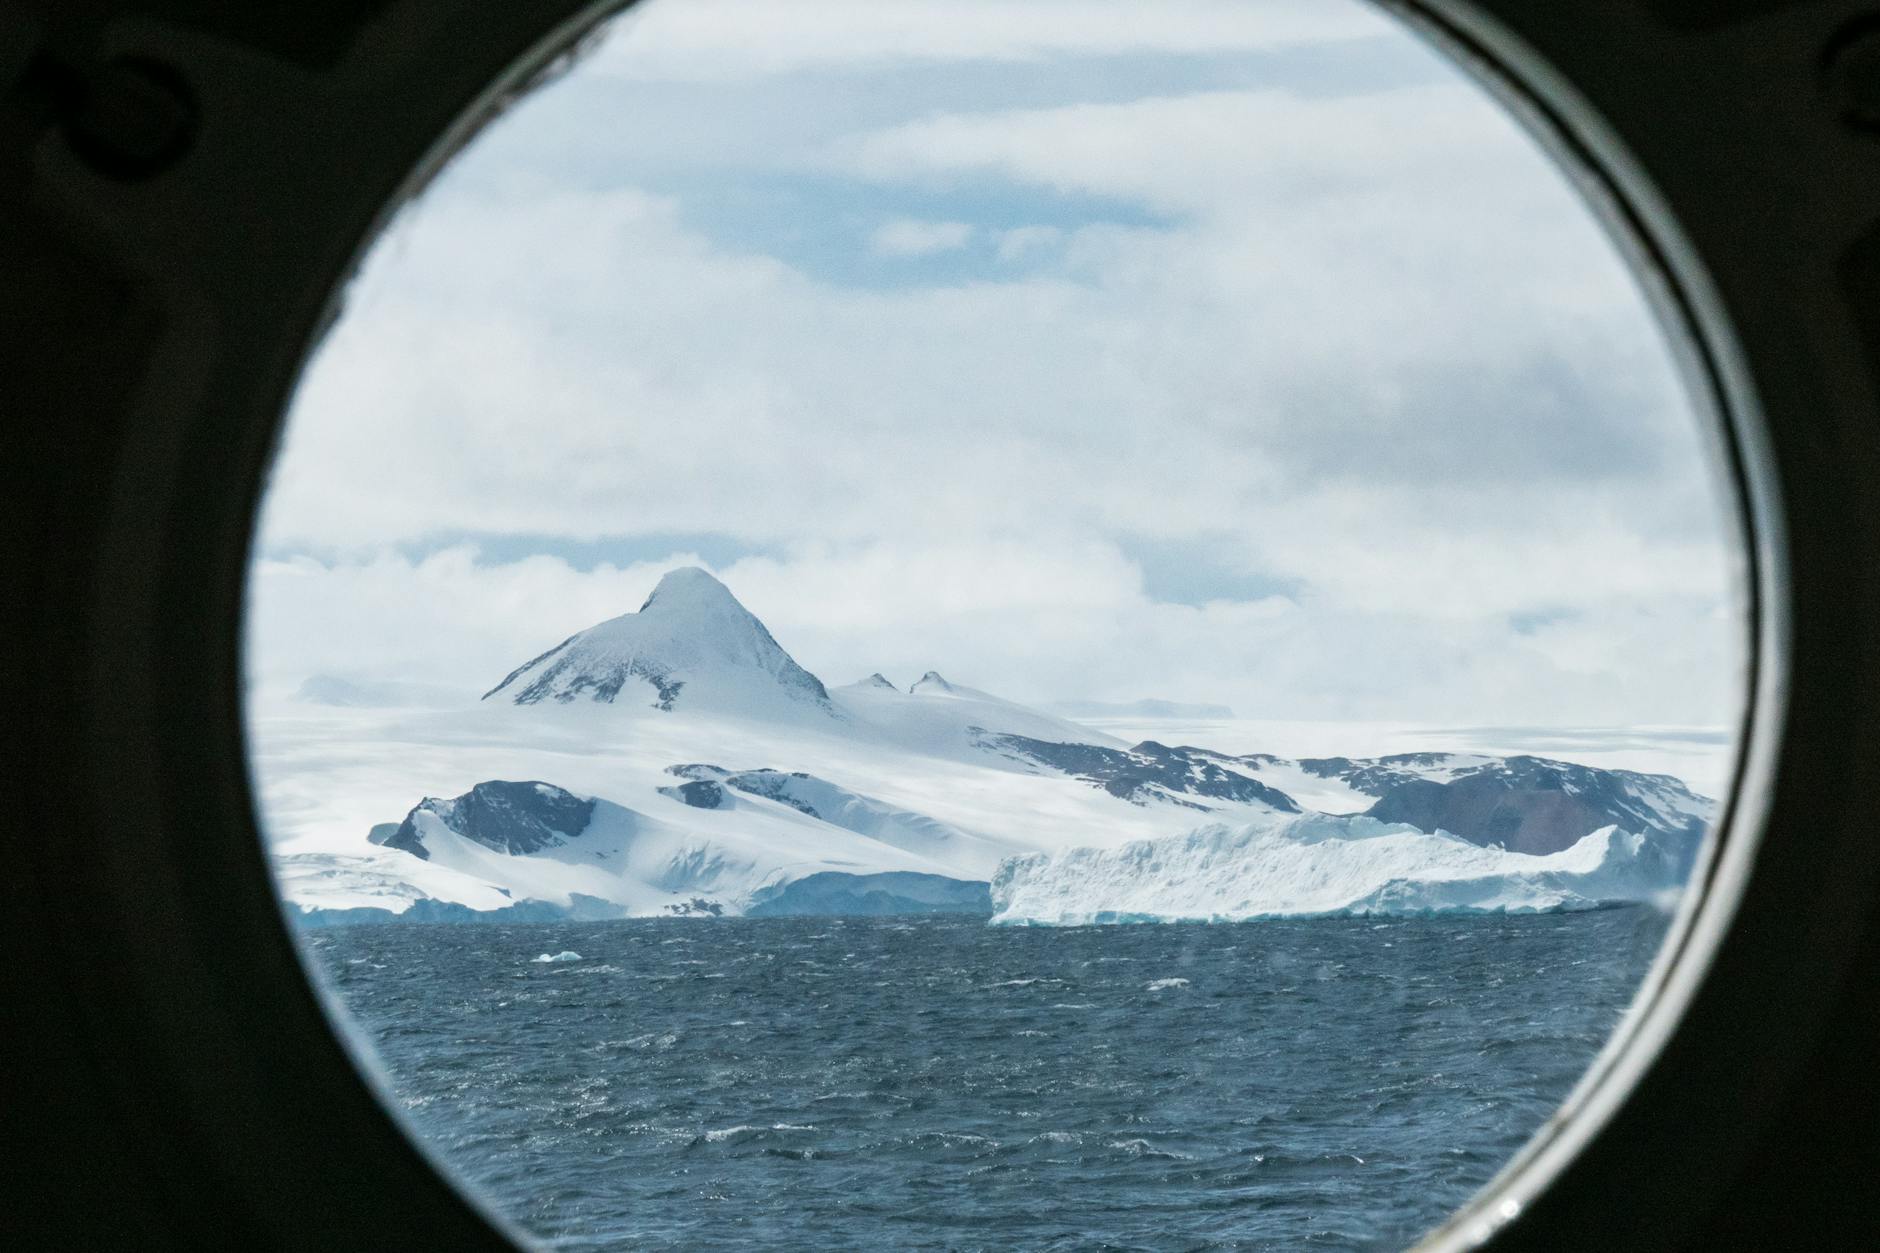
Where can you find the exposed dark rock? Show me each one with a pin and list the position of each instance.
(1374, 776)
(1533, 805)
(697, 907)
(407, 840)
(1148, 771)
(571, 678)
(514, 818)
(697, 770)
(699, 793)
(772, 785)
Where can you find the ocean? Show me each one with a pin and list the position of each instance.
(906, 1083)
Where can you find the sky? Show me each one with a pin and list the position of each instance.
(1230, 351)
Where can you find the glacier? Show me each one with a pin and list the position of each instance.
(1320, 864)
(581, 786)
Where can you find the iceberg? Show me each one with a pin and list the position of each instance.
(1321, 864)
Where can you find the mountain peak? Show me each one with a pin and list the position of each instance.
(931, 682)
(691, 588)
(690, 635)
(877, 681)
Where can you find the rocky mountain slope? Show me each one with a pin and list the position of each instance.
(714, 774)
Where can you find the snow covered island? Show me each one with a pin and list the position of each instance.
(677, 761)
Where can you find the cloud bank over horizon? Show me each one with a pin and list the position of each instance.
(1216, 352)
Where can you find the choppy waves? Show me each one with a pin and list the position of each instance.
(871, 1084)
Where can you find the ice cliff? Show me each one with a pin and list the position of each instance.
(1323, 864)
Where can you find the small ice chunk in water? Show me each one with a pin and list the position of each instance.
(566, 955)
(1164, 984)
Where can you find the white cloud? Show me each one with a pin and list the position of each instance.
(1023, 241)
(907, 237)
(1370, 347)
(1027, 623)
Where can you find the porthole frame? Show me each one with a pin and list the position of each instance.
(218, 1101)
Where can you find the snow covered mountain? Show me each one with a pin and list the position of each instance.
(1150, 771)
(693, 648)
(938, 717)
(504, 845)
(691, 642)
(1445, 832)
(1524, 804)
(711, 788)
(699, 769)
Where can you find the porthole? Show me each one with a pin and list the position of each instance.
(1155, 612)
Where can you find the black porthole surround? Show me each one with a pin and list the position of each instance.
(190, 1091)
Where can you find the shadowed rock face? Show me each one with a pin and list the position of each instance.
(1149, 771)
(699, 794)
(773, 785)
(571, 677)
(1376, 776)
(514, 818)
(1531, 805)
(708, 783)
(1488, 811)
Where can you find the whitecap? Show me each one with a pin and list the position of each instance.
(566, 955)
(726, 1133)
(1161, 985)
(1142, 1148)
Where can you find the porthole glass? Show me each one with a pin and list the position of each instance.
(988, 625)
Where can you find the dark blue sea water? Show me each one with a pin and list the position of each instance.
(892, 1083)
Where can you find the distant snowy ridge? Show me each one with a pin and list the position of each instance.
(1319, 864)
(693, 650)
(1150, 771)
(1525, 804)
(939, 717)
(871, 798)
(838, 806)
(770, 843)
